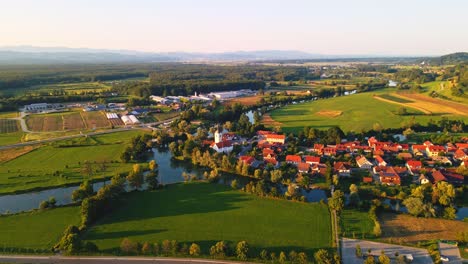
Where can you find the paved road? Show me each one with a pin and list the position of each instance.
(105, 260)
(28, 143)
(450, 251)
(349, 251)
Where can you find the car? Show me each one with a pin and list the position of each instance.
(444, 258)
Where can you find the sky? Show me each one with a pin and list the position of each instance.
(329, 27)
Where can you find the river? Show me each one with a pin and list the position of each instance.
(170, 171)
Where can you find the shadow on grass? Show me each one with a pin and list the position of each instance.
(128, 233)
(174, 200)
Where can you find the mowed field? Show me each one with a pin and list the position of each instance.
(426, 104)
(353, 113)
(67, 121)
(206, 213)
(409, 229)
(9, 132)
(38, 230)
(25, 169)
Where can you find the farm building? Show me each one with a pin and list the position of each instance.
(42, 107)
(129, 120)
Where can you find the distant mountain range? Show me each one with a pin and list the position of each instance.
(54, 55)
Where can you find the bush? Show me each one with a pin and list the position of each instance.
(219, 250)
(194, 250)
(242, 249)
(129, 247)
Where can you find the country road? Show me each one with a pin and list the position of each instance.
(98, 260)
(28, 143)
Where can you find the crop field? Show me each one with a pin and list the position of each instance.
(58, 164)
(246, 100)
(358, 112)
(11, 154)
(206, 213)
(443, 88)
(65, 121)
(73, 121)
(95, 119)
(408, 229)
(8, 126)
(38, 230)
(435, 105)
(116, 122)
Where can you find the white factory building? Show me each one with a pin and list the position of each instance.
(130, 120)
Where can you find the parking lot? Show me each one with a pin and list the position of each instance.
(349, 251)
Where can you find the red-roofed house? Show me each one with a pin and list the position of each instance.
(272, 161)
(447, 176)
(247, 159)
(363, 163)
(405, 156)
(418, 150)
(343, 169)
(319, 169)
(222, 147)
(434, 150)
(273, 138)
(329, 151)
(414, 166)
(268, 153)
(380, 161)
(389, 176)
(367, 179)
(462, 145)
(460, 155)
(427, 143)
(293, 159)
(318, 148)
(312, 160)
(303, 167)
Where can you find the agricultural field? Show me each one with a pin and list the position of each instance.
(66, 162)
(10, 138)
(95, 119)
(38, 230)
(65, 121)
(206, 213)
(403, 228)
(352, 113)
(8, 126)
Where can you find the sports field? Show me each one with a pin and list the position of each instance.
(355, 113)
(36, 230)
(205, 213)
(54, 165)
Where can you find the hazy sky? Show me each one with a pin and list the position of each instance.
(385, 27)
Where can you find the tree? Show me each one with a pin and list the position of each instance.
(264, 255)
(414, 205)
(84, 191)
(377, 230)
(135, 177)
(242, 250)
(302, 258)
(358, 251)
(384, 259)
(369, 260)
(336, 202)
(152, 180)
(194, 250)
(282, 257)
(152, 165)
(218, 250)
(234, 184)
(146, 249)
(450, 212)
(276, 176)
(323, 257)
(128, 247)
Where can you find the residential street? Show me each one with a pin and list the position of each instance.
(450, 251)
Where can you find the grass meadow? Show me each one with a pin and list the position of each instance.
(38, 230)
(53, 165)
(206, 213)
(357, 112)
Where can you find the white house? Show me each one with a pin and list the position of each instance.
(222, 147)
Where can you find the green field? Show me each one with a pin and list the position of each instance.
(55, 165)
(52, 89)
(442, 88)
(355, 113)
(10, 138)
(205, 213)
(38, 229)
(356, 224)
